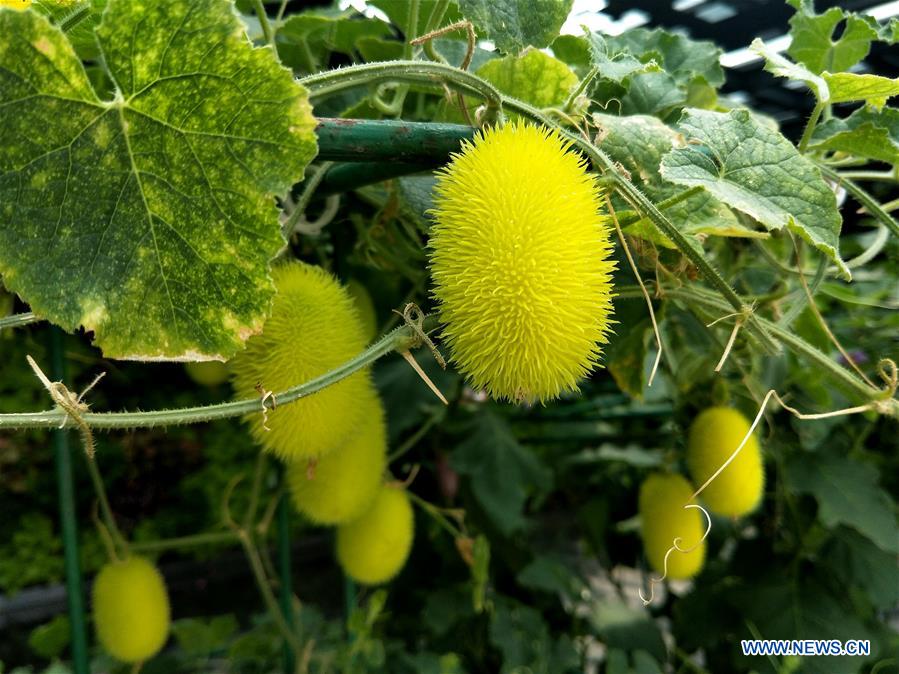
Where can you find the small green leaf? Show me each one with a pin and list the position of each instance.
(573, 50)
(679, 56)
(754, 169)
(847, 493)
(502, 473)
(534, 77)
(617, 66)
(856, 560)
(783, 67)
(149, 219)
(873, 89)
(865, 133)
(516, 24)
(812, 37)
(316, 34)
(50, 639)
(201, 636)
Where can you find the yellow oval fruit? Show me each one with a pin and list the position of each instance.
(664, 518)
(366, 308)
(131, 609)
(16, 4)
(520, 263)
(207, 373)
(313, 328)
(372, 549)
(714, 435)
(344, 482)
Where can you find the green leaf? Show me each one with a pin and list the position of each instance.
(865, 133)
(639, 142)
(812, 37)
(533, 77)
(50, 639)
(515, 24)
(754, 169)
(625, 627)
(306, 39)
(549, 574)
(617, 66)
(398, 13)
(149, 219)
(522, 636)
(783, 67)
(573, 50)
(847, 493)
(201, 636)
(873, 89)
(653, 93)
(857, 561)
(501, 472)
(679, 56)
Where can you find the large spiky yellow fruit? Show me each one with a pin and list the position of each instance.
(131, 609)
(342, 484)
(664, 518)
(520, 263)
(372, 549)
(714, 435)
(313, 328)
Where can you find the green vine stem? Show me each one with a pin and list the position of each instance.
(400, 339)
(797, 345)
(810, 126)
(119, 543)
(18, 320)
(265, 24)
(417, 72)
(180, 542)
(870, 203)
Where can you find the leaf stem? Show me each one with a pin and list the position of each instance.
(264, 23)
(105, 510)
(18, 320)
(870, 203)
(194, 540)
(810, 126)
(400, 339)
(665, 204)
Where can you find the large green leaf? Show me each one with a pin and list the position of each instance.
(847, 493)
(533, 77)
(639, 142)
(865, 133)
(515, 24)
(813, 42)
(754, 169)
(502, 473)
(148, 219)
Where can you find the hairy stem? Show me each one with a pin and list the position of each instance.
(18, 320)
(400, 339)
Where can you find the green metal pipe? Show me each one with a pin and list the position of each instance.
(69, 524)
(353, 175)
(370, 140)
(285, 571)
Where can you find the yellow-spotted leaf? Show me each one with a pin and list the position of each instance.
(148, 219)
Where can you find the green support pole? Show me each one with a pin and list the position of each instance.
(284, 570)
(389, 140)
(69, 525)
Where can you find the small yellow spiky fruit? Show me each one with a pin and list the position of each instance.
(366, 308)
(313, 328)
(713, 437)
(207, 373)
(664, 518)
(520, 263)
(343, 484)
(131, 609)
(372, 549)
(16, 4)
